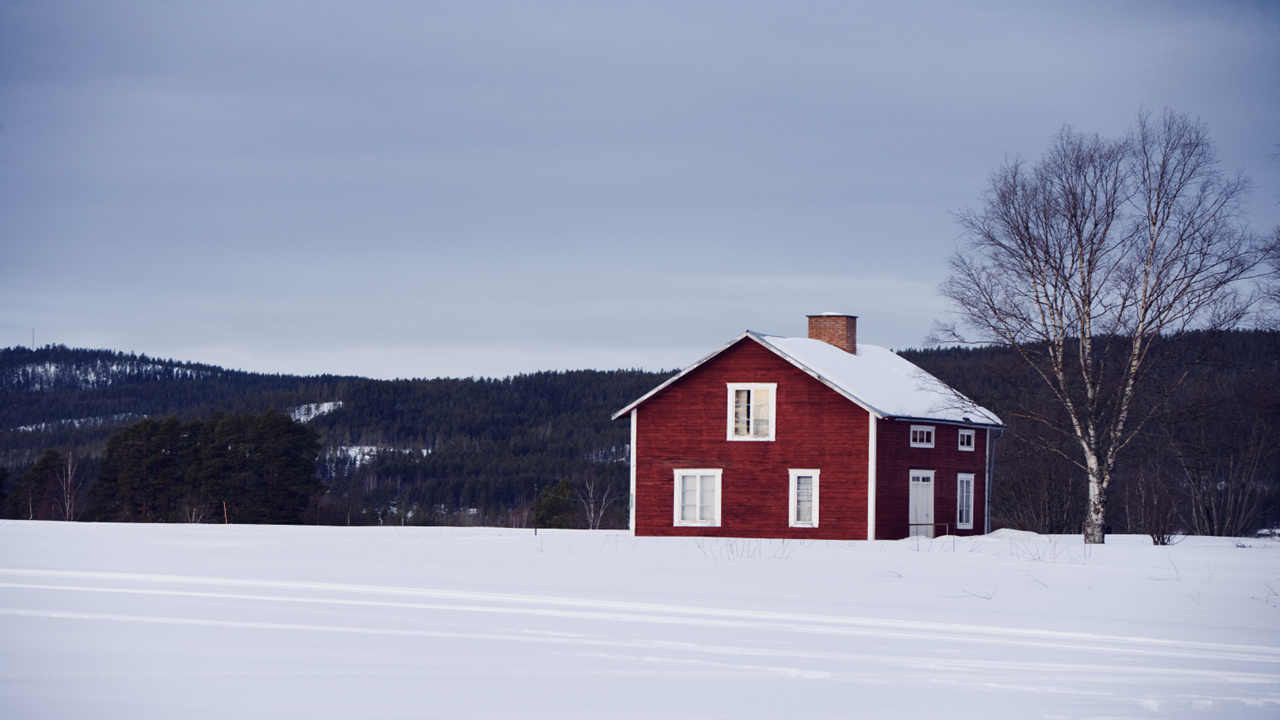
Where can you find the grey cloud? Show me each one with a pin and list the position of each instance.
(282, 186)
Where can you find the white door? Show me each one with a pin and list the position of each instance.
(920, 504)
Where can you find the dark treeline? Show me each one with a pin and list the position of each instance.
(1207, 465)
(540, 448)
(230, 468)
(477, 451)
(240, 468)
(465, 451)
(76, 399)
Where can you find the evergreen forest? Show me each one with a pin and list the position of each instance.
(102, 435)
(468, 451)
(1207, 465)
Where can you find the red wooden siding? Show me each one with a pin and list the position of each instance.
(684, 426)
(895, 459)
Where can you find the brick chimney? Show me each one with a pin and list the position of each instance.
(836, 329)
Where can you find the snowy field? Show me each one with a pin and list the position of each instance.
(210, 621)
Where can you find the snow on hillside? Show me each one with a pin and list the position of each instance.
(48, 376)
(307, 413)
(359, 455)
(76, 422)
(152, 621)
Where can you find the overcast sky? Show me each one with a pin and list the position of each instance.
(414, 189)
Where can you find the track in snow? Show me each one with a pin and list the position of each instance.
(575, 637)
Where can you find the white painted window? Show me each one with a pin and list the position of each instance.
(922, 436)
(697, 499)
(966, 440)
(803, 500)
(964, 501)
(751, 410)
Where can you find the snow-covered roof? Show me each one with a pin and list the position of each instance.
(875, 378)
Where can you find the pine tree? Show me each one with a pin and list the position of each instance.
(32, 497)
(558, 506)
(4, 489)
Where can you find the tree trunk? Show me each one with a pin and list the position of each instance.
(1095, 516)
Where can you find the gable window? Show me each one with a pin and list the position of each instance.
(964, 501)
(697, 500)
(922, 436)
(803, 501)
(966, 440)
(751, 410)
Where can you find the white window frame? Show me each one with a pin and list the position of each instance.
(923, 429)
(719, 494)
(964, 501)
(753, 388)
(971, 435)
(792, 498)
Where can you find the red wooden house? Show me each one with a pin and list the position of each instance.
(813, 437)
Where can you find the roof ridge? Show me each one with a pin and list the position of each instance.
(907, 391)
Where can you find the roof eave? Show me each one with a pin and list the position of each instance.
(761, 340)
(962, 423)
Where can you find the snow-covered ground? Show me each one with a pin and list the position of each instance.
(181, 621)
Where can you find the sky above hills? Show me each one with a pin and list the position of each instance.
(459, 189)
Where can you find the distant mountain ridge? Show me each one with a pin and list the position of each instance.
(59, 397)
(57, 367)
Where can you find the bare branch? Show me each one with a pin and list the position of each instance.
(1083, 262)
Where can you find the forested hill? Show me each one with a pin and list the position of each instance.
(989, 374)
(1208, 463)
(474, 451)
(451, 445)
(56, 367)
(70, 398)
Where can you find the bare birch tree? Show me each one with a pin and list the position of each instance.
(595, 496)
(1271, 281)
(1225, 490)
(69, 487)
(1222, 442)
(1271, 284)
(1084, 262)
